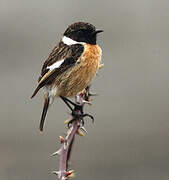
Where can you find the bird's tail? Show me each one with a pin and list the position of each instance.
(44, 112)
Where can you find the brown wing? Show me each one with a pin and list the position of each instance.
(61, 51)
(69, 54)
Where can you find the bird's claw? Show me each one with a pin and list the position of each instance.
(90, 116)
(80, 117)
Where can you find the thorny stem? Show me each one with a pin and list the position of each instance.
(66, 143)
(65, 149)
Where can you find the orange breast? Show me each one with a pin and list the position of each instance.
(80, 76)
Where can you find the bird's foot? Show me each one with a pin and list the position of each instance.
(77, 109)
(77, 113)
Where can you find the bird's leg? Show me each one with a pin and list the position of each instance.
(65, 100)
(77, 107)
(68, 100)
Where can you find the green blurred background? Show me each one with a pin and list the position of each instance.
(130, 137)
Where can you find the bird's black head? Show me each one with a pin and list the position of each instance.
(82, 32)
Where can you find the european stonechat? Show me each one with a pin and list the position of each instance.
(71, 65)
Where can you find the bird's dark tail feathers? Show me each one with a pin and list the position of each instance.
(45, 109)
(36, 90)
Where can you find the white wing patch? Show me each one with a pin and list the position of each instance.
(55, 65)
(69, 42)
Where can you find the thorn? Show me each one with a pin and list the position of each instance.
(87, 102)
(68, 120)
(64, 178)
(101, 65)
(65, 145)
(83, 129)
(57, 173)
(70, 174)
(80, 133)
(56, 153)
(93, 94)
(61, 139)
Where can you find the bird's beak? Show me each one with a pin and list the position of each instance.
(97, 31)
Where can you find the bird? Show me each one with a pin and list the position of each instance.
(70, 66)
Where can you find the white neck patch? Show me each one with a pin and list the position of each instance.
(69, 41)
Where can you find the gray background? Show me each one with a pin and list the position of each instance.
(130, 137)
